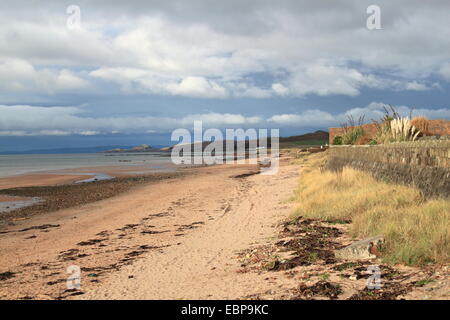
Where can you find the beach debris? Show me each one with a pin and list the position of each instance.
(6, 275)
(304, 242)
(247, 174)
(271, 265)
(153, 232)
(104, 233)
(361, 250)
(321, 288)
(193, 225)
(158, 215)
(310, 243)
(389, 291)
(69, 293)
(90, 242)
(51, 283)
(41, 227)
(128, 227)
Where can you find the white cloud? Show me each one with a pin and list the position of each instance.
(279, 89)
(416, 86)
(24, 120)
(72, 120)
(20, 75)
(325, 79)
(197, 87)
(373, 111)
(197, 51)
(304, 119)
(445, 71)
(220, 119)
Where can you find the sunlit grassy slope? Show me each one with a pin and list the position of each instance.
(417, 231)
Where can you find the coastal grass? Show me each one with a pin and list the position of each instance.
(304, 143)
(416, 230)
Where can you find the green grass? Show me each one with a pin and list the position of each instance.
(324, 276)
(306, 143)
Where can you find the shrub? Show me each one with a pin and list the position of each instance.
(352, 130)
(364, 139)
(337, 140)
(352, 135)
(399, 129)
(403, 130)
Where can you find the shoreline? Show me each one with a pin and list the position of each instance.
(71, 175)
(38, 187)
(63, 196)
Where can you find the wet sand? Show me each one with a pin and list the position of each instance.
(57, 187)
(6, 198)
(38, 179)
(66, 176)
(57, 197)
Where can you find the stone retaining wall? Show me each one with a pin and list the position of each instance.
(423, 164)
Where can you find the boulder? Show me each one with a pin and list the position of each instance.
(361, 250)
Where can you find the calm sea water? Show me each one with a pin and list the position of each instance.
(19, 164)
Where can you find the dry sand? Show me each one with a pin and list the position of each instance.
(237, 213)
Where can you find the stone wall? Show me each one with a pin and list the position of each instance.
(436, 127)
(423, 164)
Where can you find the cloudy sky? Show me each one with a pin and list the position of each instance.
(133, 71)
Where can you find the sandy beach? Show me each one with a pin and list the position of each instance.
(200, 233)
(156, 218)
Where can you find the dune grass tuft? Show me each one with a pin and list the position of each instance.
(417, 231)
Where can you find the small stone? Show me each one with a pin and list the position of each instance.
(271, 265)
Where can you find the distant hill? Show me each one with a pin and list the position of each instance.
(141, 148)
(315, 136)
(309, 139)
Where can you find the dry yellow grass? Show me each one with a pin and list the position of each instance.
(417, 231)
